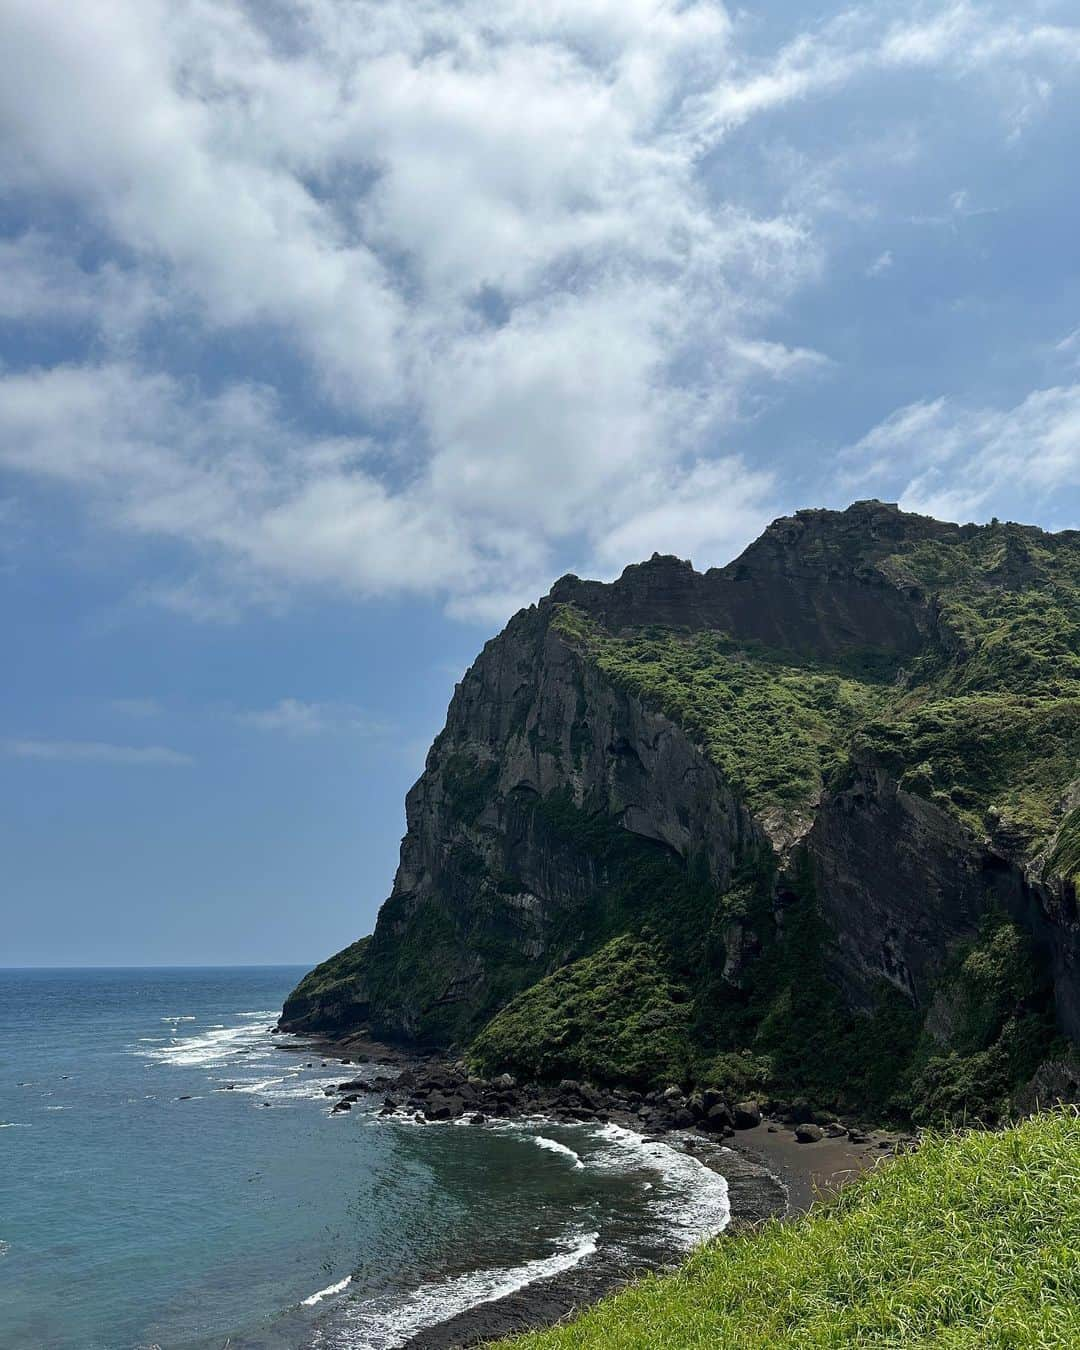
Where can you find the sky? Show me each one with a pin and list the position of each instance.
(333, 331)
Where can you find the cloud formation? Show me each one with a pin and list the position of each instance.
(294, 717)
(949, 460)
(423, 298)
(98, 752)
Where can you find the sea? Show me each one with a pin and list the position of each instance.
(171, 1177)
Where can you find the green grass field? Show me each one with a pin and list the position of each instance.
(972, 1241)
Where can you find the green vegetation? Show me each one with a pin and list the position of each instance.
(790, 1015)
(971, 1241)
(1000, 1007)
(337, 984)
(989, 724)
(776, 728)
(469, 784)
(341, 969)
(1064, 859)
(986, 723)
(613, 1017)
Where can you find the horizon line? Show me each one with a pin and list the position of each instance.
(193, 965)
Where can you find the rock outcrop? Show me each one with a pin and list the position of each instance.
(594, 779)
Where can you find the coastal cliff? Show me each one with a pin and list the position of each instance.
(806, 824)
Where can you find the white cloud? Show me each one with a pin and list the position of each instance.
(704, 513)
(965, 39)
(294, 717)
(881, 264)
(960, 462)
(486, 237)
(98, 752)
(1069, 346)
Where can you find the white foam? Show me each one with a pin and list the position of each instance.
(185, 1018)
(14, 1124)
(207, 1049)
(5, 1247)
(330, 1289)
(706, 1209)
(376, 1324)
(553, 1146)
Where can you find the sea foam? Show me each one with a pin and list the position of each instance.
(378, 1324)
(553, 1146)
(328, 1292)
(705, 1209)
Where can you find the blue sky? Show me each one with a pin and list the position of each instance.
(333, 331)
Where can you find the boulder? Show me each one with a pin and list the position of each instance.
(438, 1107)
(718, 1118)
(746, 1115)
(808, 1133)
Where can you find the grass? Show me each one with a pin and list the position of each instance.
(973, 1241)
(776, 728)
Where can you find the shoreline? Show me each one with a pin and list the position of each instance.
(769, 1175)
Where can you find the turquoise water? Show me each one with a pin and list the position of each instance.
(144, 1202)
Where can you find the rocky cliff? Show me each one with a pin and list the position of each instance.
(808, 821)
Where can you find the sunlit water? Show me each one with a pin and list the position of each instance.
(144, 1202)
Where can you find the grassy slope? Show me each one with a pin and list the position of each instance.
(972, 1242)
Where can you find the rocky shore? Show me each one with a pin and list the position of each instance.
(777, 1157)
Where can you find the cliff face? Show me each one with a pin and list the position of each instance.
(852, 748)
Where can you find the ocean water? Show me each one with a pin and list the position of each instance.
(145, 1202)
